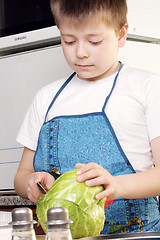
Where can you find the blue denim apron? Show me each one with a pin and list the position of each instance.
(67, 140)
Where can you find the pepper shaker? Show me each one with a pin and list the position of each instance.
(58, 224)
(22, 224)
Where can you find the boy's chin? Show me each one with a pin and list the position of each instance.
(88, 78)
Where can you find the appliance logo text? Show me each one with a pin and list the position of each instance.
(20, 38)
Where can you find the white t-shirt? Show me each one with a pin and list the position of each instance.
(133, 110)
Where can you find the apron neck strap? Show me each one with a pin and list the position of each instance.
(69, 79)
(114, 83)
(57, 94)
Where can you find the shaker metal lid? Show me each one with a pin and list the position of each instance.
(57, 216)
(22, 216)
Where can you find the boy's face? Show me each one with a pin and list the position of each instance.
(91, 49)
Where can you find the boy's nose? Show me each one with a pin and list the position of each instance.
(81, 51)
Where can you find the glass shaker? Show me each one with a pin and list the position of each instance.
(58, 224)
(22, 224)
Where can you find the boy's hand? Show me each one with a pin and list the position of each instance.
(93, 175)
(33, 191)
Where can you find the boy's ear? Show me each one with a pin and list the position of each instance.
(123, 35)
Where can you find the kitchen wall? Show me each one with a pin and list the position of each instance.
(142, 55)
(143, 49)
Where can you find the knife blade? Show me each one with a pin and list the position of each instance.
(42, 187)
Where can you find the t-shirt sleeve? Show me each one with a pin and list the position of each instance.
(29, 131)
(35, 116)
(152, 95)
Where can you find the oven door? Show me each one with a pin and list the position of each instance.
(26, 24)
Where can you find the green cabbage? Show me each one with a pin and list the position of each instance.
(86, 212)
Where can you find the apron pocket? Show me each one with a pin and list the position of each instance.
(116, 213)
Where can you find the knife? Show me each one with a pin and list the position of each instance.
(42, 187)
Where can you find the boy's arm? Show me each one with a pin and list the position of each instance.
(139, 185)
(26, 179)
(144, 184)
(24, 172)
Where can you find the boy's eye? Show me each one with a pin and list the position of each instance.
(69, 42)
(95, 42)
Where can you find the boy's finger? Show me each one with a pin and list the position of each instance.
(79, 165)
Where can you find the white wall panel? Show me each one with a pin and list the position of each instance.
(141, 55)
(144, 18)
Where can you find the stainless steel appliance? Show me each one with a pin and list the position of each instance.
(129, 236)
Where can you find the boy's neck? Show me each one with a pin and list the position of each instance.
(113, 69)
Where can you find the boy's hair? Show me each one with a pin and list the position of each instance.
(113, 12)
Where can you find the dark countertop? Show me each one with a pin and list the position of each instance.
(14, 200)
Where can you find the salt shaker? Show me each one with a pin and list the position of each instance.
(22, 224)
(58, 224)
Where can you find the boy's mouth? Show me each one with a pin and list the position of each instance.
(83, 66)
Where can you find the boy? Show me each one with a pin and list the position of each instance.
(103, 119)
